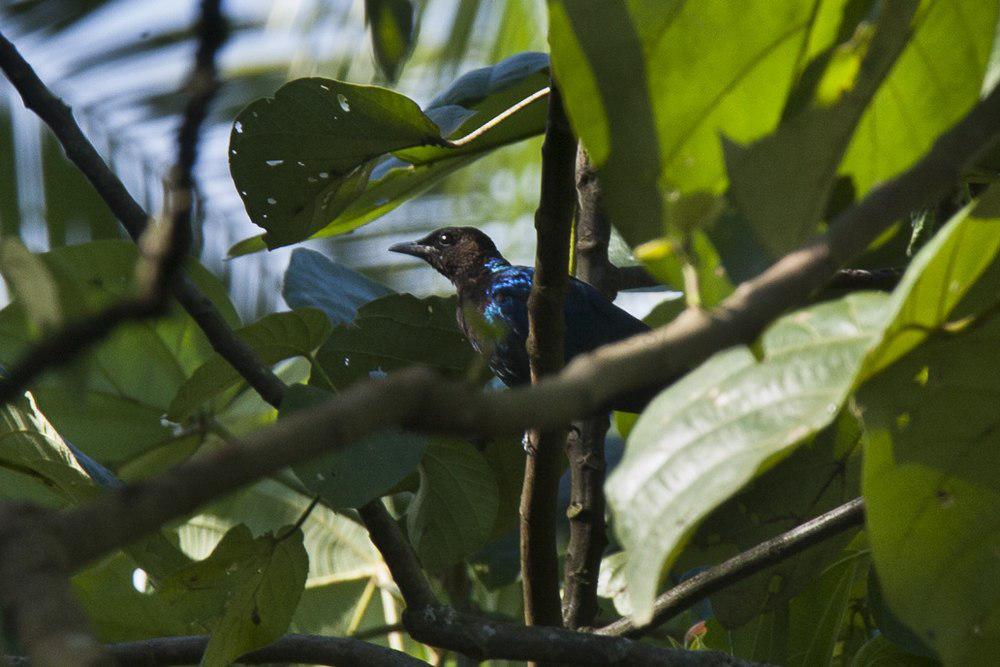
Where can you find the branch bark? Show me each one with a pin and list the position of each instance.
(133, 218)
(546, 332)
(307, 649)
(585, 445)
(739, 567)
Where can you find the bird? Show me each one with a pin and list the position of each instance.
(492, 309)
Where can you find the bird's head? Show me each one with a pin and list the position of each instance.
(456, 252)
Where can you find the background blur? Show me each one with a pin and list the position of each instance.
(119, 64)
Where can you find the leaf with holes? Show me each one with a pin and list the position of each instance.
(455, 508)
(382, 181)
(732, 418)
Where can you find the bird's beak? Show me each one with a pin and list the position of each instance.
(412, 248)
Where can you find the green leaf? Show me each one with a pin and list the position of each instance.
(274, 337)
(106, 380)
(781, 183)
(932, 86)
(817, 615)
(37, 459)
(30, 283)
(931, 474)
(939, 277)
(363, 470)
(106, 591)
(880, 652)
(393, 33)
(299, 158)
(706, 436)
(393, 332)
(456, 506)
(652, 135)
(246, 591)
(388, 180)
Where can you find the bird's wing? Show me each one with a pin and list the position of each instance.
(595, 320)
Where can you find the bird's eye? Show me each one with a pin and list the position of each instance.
(445, 238)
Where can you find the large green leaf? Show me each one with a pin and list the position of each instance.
(782, 182)
(132, 397)
(626, 69)
(274, 337)
(931, 475)
(282, 154)
(939, 277)
(456, 506)
(702, 439)
(246, 591)
(361, 471)
(393, 332)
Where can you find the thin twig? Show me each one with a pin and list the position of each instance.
(496, 120)
(737, 568)
(546, 331)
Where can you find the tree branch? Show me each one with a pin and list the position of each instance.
(307, 649)
(585, 444)
(739, 567)
(546, 332)
(133, 218)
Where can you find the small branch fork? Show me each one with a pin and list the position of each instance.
(422, 401)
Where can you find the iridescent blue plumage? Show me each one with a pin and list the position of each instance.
(493, 304)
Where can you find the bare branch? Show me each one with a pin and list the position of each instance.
(585, 444)
(546, 331)
(739, 567)
(291, 649)
(130, 214)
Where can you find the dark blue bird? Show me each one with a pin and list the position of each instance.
(493, 304)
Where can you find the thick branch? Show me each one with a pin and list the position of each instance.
(765, 554)
(398, 554)
(585, 444)
(291, 649)
(133, 218)
(486, 639)
(546, 332)
(35, 596)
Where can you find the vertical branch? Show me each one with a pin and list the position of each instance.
(546, 329)
(585, 445)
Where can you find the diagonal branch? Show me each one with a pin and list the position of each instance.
(130, 214)
(739, 567)
(546, 333)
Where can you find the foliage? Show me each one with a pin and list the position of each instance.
(725, 135)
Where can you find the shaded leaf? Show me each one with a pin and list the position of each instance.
(455, 508)
(30, 282)
(246, 591)
(393, 332)
(274, 338)
(393, 33)
(361, 471)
